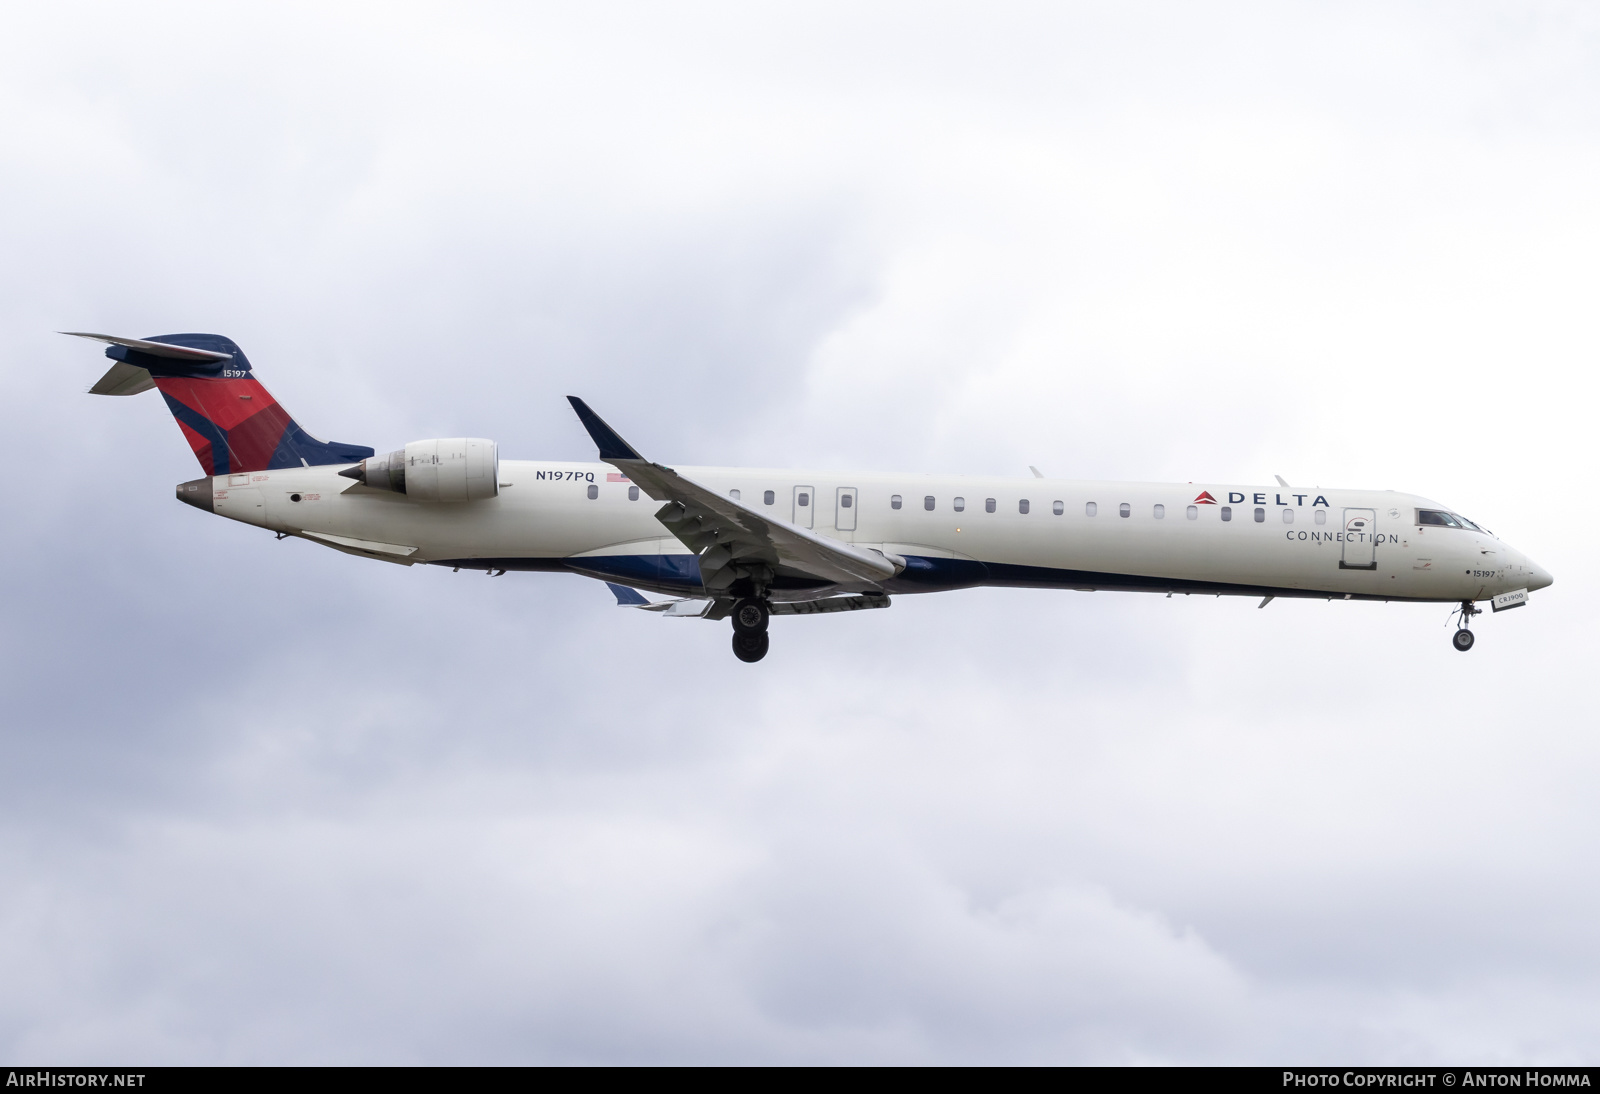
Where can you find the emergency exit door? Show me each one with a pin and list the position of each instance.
(1360, 548)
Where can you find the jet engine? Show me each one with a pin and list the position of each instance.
(448, 469)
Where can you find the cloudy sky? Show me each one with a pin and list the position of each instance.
(266, 803)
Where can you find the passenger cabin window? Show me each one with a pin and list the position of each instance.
(845, 501)
(927, 503)
(1022, 506)
(768, 498)
(1124, 510)
(734, 494)
(1320, 516)
(1261, 515)
(594, 491)
(633, 493)
(894, 501)
(1090, 508)
(959, 505)
(988, 505)
(1058, 507)
(1193, 512)
(1160, 511)
(1288, 516)
(1227, 512)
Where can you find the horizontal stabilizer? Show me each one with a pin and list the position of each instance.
(626, 596)
(123, 379)
(154, 349)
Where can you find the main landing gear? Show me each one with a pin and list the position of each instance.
(1462, 640)
(750, 617)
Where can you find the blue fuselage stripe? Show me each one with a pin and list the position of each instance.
(680, 575)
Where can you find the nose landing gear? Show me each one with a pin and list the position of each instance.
(750, 618)
(1462, 639)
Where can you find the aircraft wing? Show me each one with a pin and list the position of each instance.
(732, 539)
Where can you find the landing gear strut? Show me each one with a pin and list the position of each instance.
(1462, 640)
(750, 617)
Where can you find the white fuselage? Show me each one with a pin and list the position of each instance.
(1279, 541)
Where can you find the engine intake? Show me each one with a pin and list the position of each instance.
(447, 469)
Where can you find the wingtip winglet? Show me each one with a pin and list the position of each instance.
(606, 439)
(626, 597)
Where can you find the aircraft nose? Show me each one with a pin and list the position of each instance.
(1538, 577)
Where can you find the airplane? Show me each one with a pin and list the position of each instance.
(746, 544)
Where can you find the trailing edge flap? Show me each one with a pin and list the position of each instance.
(123, 379)
(723, 531)
(694, 606)
(389, 552)
(831, 604)
(688, 606)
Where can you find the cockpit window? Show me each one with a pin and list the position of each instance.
(1439, 518)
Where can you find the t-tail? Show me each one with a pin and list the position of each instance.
(231, 421)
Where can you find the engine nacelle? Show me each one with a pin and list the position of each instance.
(447, 469)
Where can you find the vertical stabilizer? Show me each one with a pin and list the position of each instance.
(231, 421)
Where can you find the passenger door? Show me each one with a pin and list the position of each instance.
(805, 505)
(844, 509)
(1360, 549)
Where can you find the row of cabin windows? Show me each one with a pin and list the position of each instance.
(1318, 516)
(1159, 511)
(770, 497)
(1124, 509)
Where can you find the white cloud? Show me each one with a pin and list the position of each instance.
(267, 803)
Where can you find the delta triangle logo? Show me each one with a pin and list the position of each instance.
(1205, 498)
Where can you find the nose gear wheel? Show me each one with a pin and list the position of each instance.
(1463, 638)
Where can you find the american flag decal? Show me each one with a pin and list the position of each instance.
(613, 476)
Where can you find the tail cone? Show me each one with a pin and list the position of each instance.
(198, 493)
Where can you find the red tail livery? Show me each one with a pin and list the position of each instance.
(228, 418)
